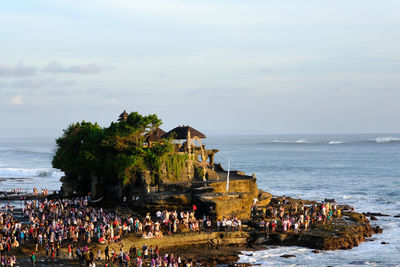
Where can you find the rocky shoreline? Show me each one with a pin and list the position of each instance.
(224, 247)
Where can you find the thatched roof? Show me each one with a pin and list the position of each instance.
(181, 132)
(123, 116)
(155, 135)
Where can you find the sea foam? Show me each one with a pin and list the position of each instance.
(29, 173)
(300, 141)
(333, 142)
(387, 139)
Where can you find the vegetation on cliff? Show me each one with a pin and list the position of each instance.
(117, 153)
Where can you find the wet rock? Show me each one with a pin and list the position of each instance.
(376, 214)
(385, 243)
(373, 218)
(377, 229)
(288, 256)
(316, 251)
(397, 216)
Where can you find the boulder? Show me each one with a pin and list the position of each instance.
(375, 214)
(377, 230)
(288, 256)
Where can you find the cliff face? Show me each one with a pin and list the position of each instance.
(209, 197)
(179, 193)
(236, 202)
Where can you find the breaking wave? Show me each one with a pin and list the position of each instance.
(377, 140)
(300, 141)
(387, 139)
(29, 173)
(333, 142)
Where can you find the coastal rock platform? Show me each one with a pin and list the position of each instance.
(224, 247)
(213, 248)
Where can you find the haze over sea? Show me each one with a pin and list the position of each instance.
(362, 170)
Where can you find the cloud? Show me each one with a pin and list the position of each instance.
(57, 67)
(54, 67)
(85, 69)
(40, 83)
(16, 101)
(18, 70)
(30, 83)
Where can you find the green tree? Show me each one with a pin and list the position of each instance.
(78, 149)
(115, 153)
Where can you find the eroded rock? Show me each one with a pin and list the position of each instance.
(379, 214)
(288, 256)
(377, 230)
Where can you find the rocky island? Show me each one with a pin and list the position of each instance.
(137, 187)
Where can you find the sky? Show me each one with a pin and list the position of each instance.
(223, 67)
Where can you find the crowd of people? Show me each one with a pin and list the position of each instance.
(8, 260)
(297, 216)
(43, 192)
(8, 239)
(74, 223)
(146, 255)
(50, 224)
(56, 221)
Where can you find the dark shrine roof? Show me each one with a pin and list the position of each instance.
(155, 135)
(181, 132)
(123, 116)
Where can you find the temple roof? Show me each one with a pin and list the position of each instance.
(155, 135)
(181, 132)
(123, 116)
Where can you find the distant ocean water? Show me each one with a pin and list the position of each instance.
(25, 162)
(359, 170)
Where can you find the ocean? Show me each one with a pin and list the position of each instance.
(359, 170)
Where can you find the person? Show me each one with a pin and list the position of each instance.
(296, 228)
(58, 250)
(106, 256)
(208, 224)
(99, 255)
(126, 259)
(47, 248)
(91, 255)
(33, 258)
(70, 251)
(139, 262)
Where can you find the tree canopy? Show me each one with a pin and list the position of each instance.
(115, 152)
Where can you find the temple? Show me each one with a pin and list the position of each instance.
(198, 181)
